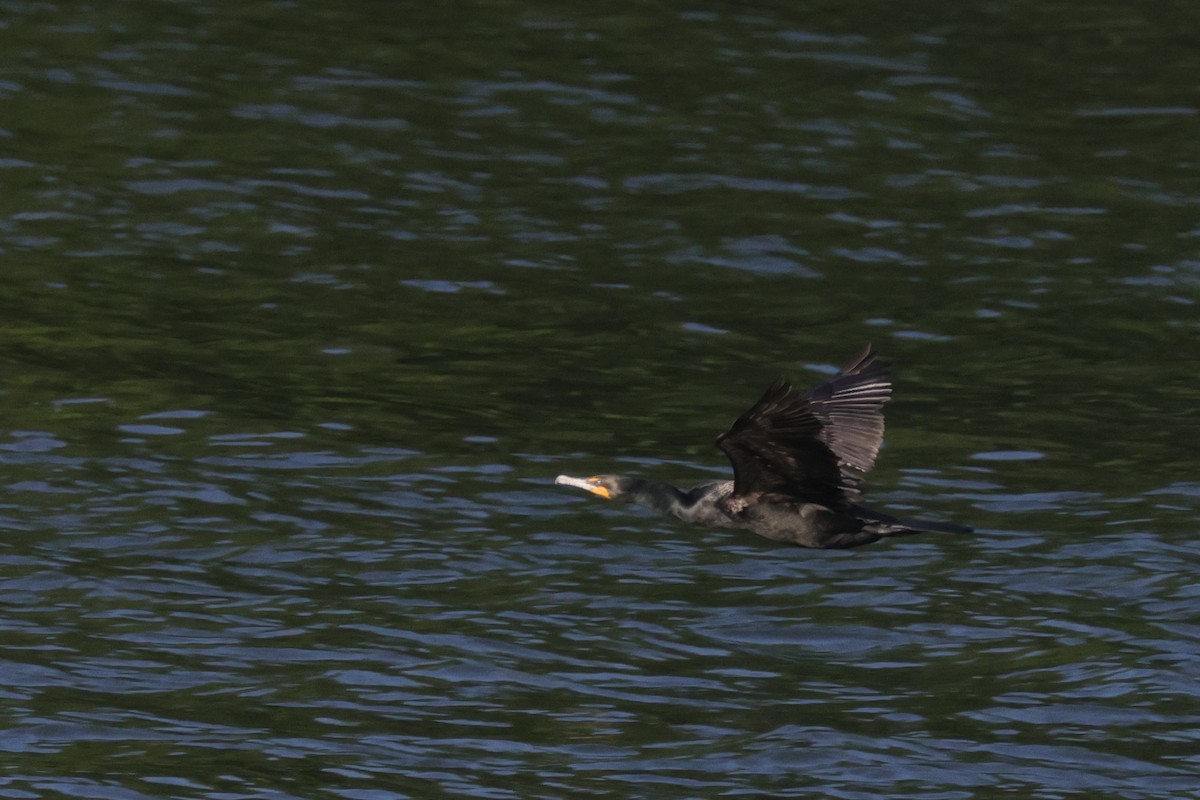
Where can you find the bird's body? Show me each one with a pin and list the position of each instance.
(798, 464)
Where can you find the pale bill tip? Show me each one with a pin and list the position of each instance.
(567, 480)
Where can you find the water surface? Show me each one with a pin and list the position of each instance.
(306, 305)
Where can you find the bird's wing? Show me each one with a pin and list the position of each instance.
(815, 446)
(849, 407)
(776, 449)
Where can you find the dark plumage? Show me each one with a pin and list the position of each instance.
(798, 466)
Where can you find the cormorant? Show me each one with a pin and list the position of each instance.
(798, 467)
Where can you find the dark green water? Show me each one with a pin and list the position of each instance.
(305, 304)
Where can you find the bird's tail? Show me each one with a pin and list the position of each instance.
(890, 526)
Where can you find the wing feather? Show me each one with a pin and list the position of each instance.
(814, 446)
(849, 407)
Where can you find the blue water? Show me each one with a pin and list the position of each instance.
(306, 305)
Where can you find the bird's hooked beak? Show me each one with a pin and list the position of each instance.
(587, 484)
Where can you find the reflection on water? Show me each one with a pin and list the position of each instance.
(306, 310)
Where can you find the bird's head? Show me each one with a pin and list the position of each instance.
(610, 487)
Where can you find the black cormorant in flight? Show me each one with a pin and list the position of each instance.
(798, 467)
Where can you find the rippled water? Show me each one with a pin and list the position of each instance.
(306, 304)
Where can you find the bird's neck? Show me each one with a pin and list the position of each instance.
(699, 505)
(660, 496)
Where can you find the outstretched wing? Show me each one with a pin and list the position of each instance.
(776, 449)
(850, 409)
(815, 446)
